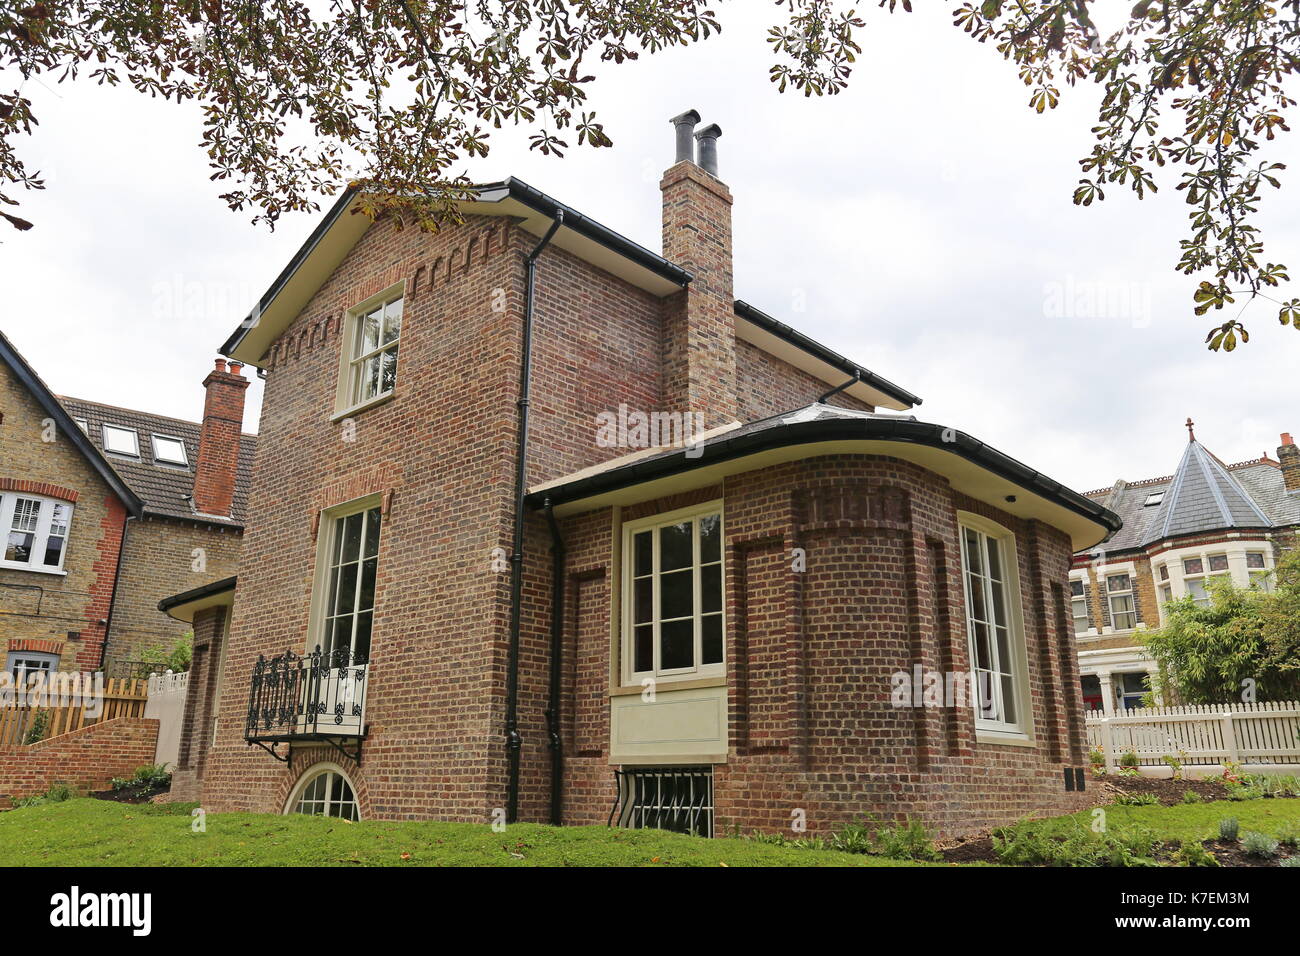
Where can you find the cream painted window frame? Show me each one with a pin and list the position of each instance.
(627, 675)
(320, 590)
(1130, 593)
(1091, 629)
(344, 406)
(998, 731)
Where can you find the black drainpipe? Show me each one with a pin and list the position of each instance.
(857, 377)
(513, 741)
(557, 644)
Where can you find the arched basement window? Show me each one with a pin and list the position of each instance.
(324, 791)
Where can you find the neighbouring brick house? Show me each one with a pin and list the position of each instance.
(105, 510)
(1205, 521)
(513, 591)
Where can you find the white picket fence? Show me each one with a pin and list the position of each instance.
(1205, 734)
(167, 706)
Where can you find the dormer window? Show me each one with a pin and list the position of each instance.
(169, 450)
(121, 441)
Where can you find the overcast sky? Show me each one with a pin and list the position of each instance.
(920, 223)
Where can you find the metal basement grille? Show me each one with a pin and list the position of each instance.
(664, 798)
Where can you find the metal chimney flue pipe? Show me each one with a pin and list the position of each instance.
(708, 150)
(684, 124)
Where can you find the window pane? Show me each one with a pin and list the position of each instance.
(1218, 562)
(392, 320)
(982, 658)
(979, 611)
(1076, 588)
(370, 325)
(372, 532)
(27, 512)
(19, 546)
(366, 600)
(1117, 582)
(711, 588)
(1164, 572)
(169, 450)
(675, 546)
(995, 560)
(361, 644)
(974, 555)
(351, 538)
(999, 608)
(710, 538)
(388, 377)
(644, 601)
(347, 590)
(1193, 566)
(642, 545)
(711, 639)
(643, 653)
(123, 441)
(59, 519)
(1008, 699)
(1254, 559)
(675, 595)
(677, 644)
(53, 551)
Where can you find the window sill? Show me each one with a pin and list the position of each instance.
(14, 566)
(362, 407)
(1003, 739)
(670, 683)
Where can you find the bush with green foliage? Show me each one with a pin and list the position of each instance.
(152, 776)
(1137, 800)
(39, 728)
(908, 840)
(1029, 844)
(1205, 654)
(1191, 796)
(1194, 853)
(1259, 845)
(57, 793)
(1228, 829)
(1129, 759)
(174, 658)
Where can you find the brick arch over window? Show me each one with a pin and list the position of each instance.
(37, 645)
(39, 488)
(307, 762)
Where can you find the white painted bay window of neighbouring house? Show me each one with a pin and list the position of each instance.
(673, 617)
(36, 532)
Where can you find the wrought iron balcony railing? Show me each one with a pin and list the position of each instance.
(319, 697)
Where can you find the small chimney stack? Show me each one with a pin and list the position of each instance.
(684, 124)
(219, 435)
(708, 150)
(1288, 456)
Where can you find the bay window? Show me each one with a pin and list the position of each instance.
(673, 616)
(993, 626)
(36, 532)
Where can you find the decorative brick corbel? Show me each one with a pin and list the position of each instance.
(315, 523)
(386, 503)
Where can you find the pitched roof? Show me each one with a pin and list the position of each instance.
(67, 427)
(162, 487)
(970, 465)
(1252, 494)
(1203, 496)
(342, 227)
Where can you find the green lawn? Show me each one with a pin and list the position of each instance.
(87, 832)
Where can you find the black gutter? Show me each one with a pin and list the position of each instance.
(67, 428)
(557, 647)
(197, 594)
(903, 430)
(513, 742)
(517, 189)
(821, 352)
(538, 201)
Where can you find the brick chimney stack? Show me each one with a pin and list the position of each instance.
(699, 323)
(1289, 458)
(223, 422)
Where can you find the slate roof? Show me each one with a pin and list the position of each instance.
(161, 486)
(1203, 495)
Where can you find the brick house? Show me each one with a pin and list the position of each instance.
(1206, 520)
(476, 585)
(104, 510)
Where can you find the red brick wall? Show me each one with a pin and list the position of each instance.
(223, 422)
(84, 759)
(200, 705)
(767, 386)
(810, 655)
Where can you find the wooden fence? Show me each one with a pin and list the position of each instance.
(1260, 733)
(121, 698)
